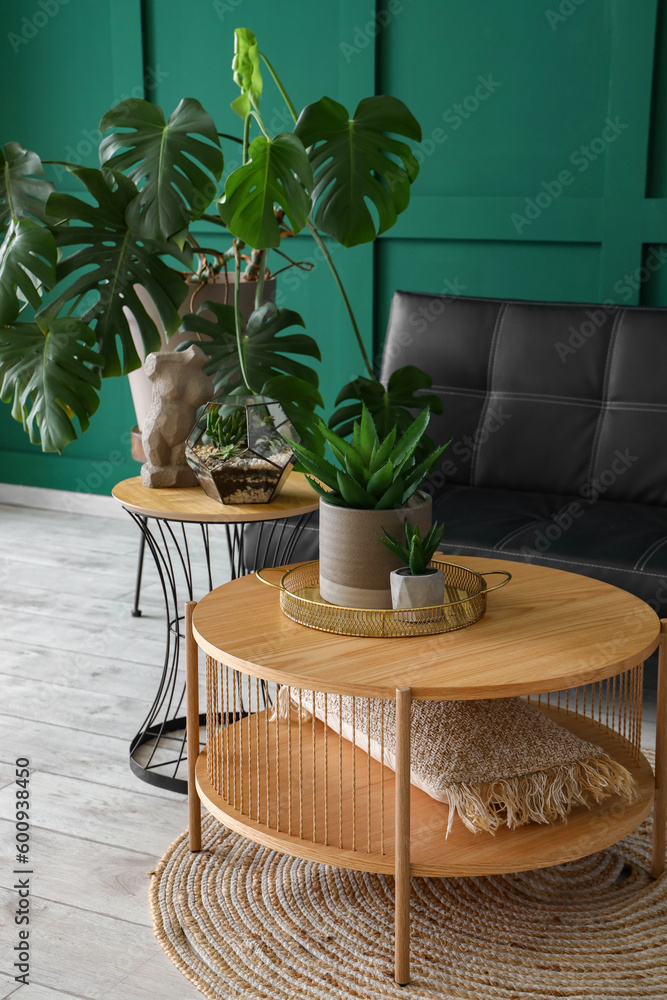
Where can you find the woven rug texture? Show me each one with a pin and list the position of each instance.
(242, 921)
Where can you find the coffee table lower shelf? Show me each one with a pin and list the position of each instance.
(308, 822)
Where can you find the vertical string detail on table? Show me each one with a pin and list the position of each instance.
(354, 772)
(277, 725)
(326, 769)
(301, 763)
(250, 742)
(258, 749)
(289, 766)
(313, 730)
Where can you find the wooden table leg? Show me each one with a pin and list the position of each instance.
(402, 870)
(192, 726)
(660, 807)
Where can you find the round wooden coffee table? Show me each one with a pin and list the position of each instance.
(172, 522)
(574, 644)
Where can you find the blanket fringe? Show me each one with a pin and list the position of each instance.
(541, 797)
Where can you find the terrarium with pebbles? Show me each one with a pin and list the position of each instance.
(238, 449)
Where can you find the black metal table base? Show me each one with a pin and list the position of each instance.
(158, 753)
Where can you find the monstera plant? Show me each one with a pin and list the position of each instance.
(76, 262)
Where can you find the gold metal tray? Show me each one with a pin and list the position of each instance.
(464, 604)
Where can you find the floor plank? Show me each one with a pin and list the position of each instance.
(72, 753)
(102, 813)
(33, 992)
(46, 664)
(115, 882)
(88, 711)
(82, 952)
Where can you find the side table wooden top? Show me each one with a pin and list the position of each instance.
(192, 504)
(547, 630)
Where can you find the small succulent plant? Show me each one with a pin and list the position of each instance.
(416, 553)
(227, 433)
(372, 474)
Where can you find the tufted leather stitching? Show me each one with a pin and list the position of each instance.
(544, 397)
(506, 539)
(650, 551)
(605, 394)
(568, 562)
(500, 319)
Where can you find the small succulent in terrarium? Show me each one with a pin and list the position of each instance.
(227, 433)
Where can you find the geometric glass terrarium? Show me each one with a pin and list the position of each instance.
(237, 449)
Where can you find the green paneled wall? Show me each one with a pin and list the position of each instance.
(544, 162)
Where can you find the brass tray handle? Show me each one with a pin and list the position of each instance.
(495, 572)
(276, 586)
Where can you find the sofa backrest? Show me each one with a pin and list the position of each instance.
(540, 396)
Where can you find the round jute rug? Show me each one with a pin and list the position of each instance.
(240, 920)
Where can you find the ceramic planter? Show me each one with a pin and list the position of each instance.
(354, 564)
(423, 591)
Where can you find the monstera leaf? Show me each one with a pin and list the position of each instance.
(176, 171)
(247, 74)
(50, 375)
(109, 259)
(388, 406)
(268, 354)
(27, 261)
(278, 171)
(24, 189)
(354, 162)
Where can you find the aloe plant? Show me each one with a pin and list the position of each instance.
(416, 553)
(372, 474)
(227, 433)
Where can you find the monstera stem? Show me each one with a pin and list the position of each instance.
(332, 267)
(246, 136)
(259, 291)
(238, 319)
(276, 80)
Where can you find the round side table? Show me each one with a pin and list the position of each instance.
(573, 645)
(165, 518)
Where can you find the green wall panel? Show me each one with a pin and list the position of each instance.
(492, 269)
(511, 96)
(504, 101)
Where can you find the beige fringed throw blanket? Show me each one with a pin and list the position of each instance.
(494, 762)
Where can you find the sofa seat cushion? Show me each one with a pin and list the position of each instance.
(624, 544)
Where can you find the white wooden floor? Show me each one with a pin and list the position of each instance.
(77, 674)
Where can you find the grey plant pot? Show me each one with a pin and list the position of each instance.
(424, 591)
(354, 564)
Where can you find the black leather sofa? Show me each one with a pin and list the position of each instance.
(558, 419)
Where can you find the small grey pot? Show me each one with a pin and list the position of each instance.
(423, 591)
